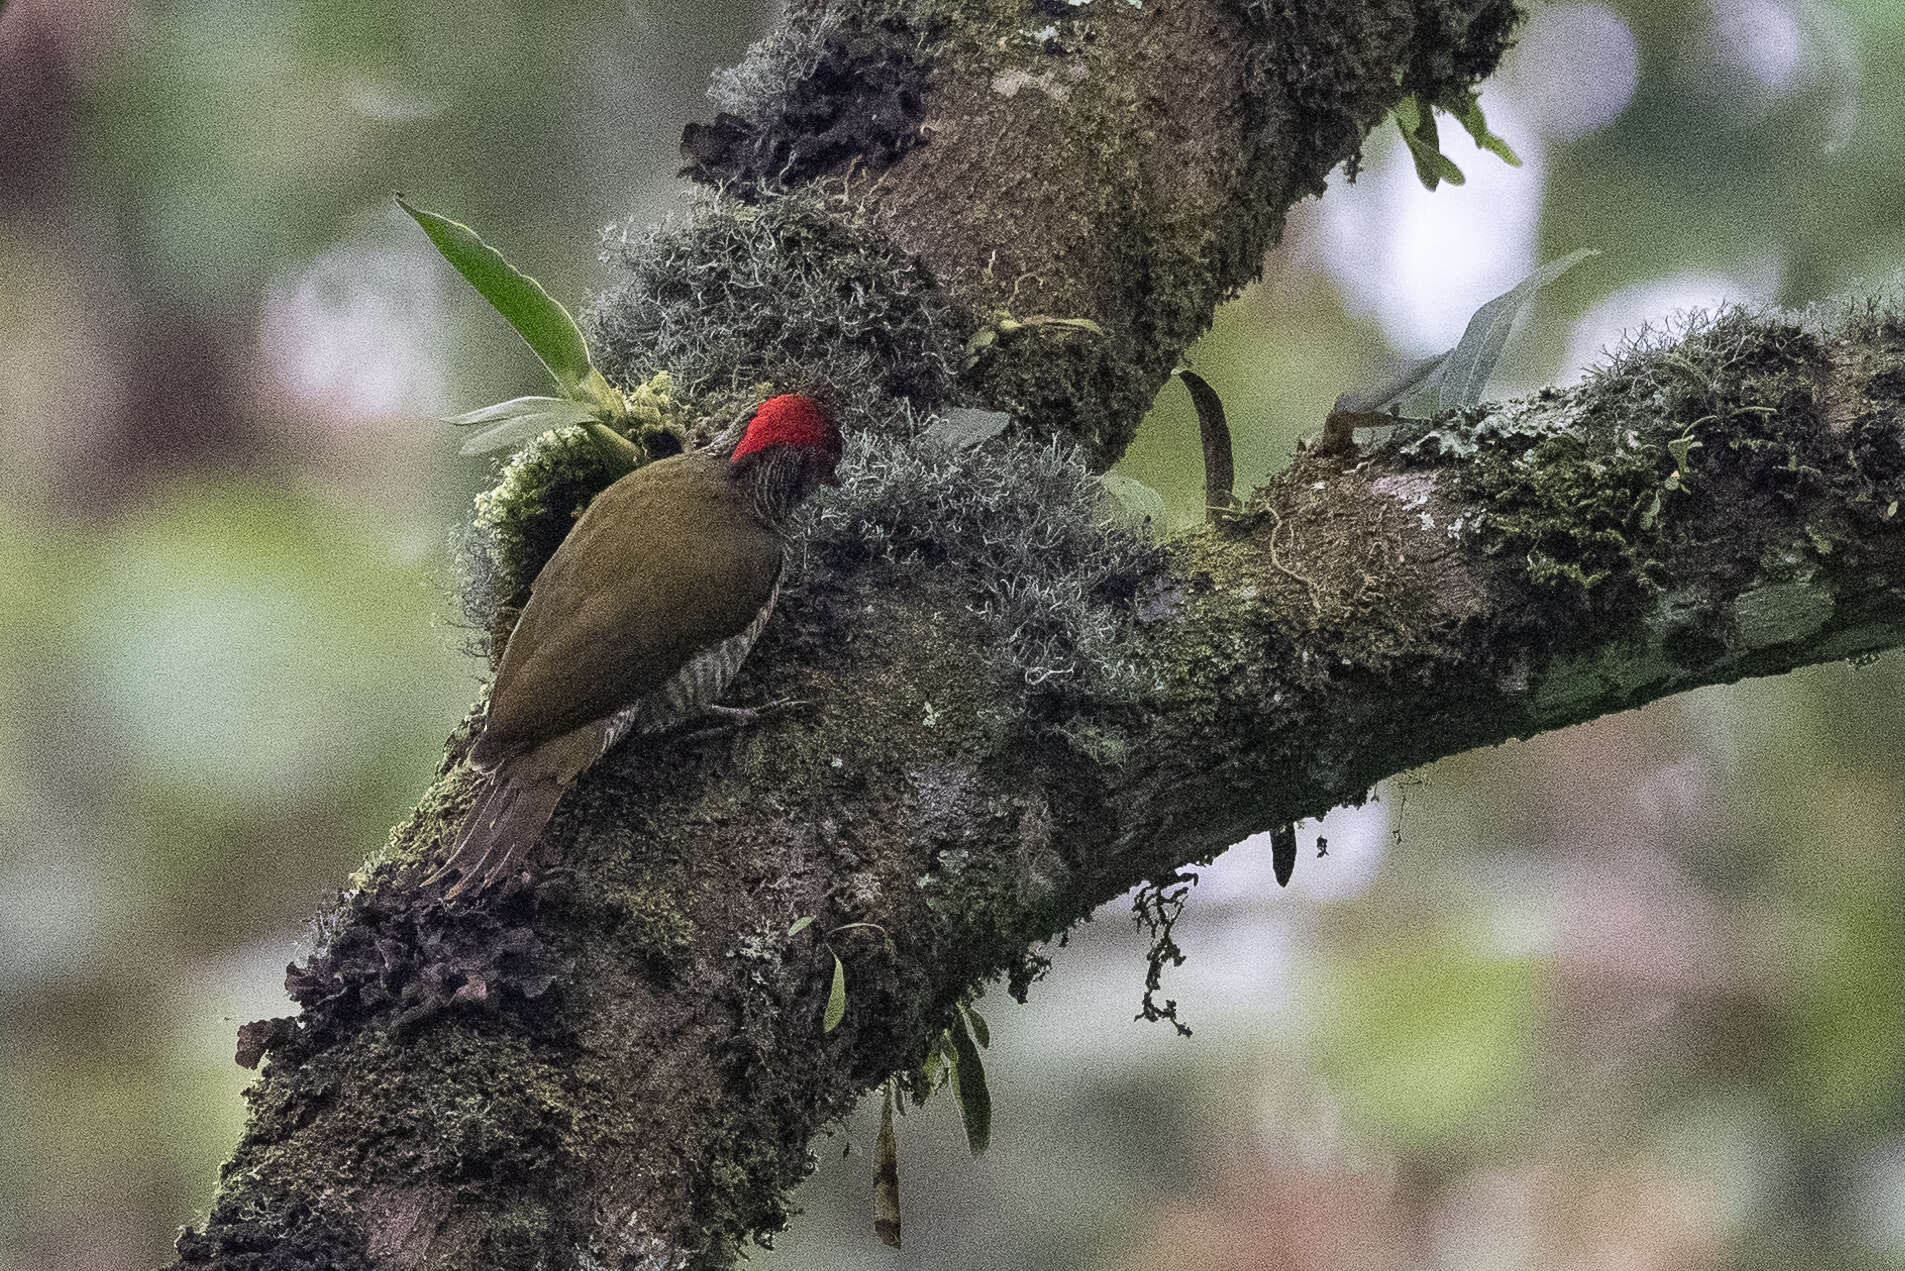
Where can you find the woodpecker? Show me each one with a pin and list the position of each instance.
(639, 621)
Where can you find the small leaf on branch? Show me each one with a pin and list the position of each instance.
(979, 1030)
(514, 427)
(969, 1083)
(1680, 447)
(1457, 380)
(1283, 853)
(800, 925)
(1416, 122)
(1390, 387)
(1220, 472)
(886, 1176)
(1008, 325)
(519, 406)
(836, 998)
(1132, 503)
(1466, 107)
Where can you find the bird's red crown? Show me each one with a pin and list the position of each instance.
(787, 420)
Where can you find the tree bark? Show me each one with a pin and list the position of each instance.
(623, 1064)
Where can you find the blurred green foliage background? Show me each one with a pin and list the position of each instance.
(1624, 996)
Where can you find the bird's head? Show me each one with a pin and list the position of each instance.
(791, 435)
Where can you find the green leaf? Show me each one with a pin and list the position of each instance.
(1048, 320)
(1408, 113)
(510, 433)
(969, 1083)
(1457, 381)
(1499, 148)
(836, 998)
(1680, 448)
(1133, 503)
(1466, 108)
(1390, 387)
(518, 406)
(514, 422)
(800, 925)
(979, 1029)
(1417, 125)
(538, 317)
(1434, 167)
(981, 340)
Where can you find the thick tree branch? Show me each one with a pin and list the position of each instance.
(623, 1065)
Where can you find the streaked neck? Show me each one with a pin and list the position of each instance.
(773, 482)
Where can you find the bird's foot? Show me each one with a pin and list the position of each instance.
(728, 719)
(475, 871)
(741, 716)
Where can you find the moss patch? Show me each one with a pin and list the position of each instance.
(1592, 486)
(241, 1236)
(1074, 383)
(1581, 508)
(437, 1121)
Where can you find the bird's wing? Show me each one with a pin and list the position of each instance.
(664, 563)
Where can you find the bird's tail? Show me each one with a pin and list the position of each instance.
(502, 827)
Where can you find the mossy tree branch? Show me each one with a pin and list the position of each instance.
(1015, 711)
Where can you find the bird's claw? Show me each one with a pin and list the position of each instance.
(729, 719)
(472, 876)
(739, 716)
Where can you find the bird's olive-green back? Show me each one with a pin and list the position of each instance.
(665, 563)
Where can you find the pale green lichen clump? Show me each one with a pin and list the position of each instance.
(544, 487)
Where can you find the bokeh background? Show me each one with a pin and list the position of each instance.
(1626, 996)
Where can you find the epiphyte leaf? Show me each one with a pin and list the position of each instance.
(547, 327)
(1458, 379)
(836, 998)
(1050, 320)
(511, 428)
(980, 1033)
(1415, 120)
(969, 1083)
(1283, 852)
(1133, 503)
(518, 406)
(1466, 107)
(1390, 387)
(1680, 448)
(1220, 466)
